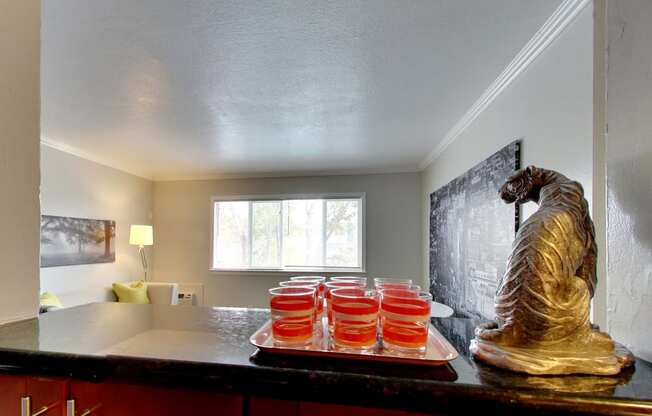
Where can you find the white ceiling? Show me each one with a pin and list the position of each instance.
(171, 89)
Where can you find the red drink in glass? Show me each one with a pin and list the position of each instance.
(355, 318)
(293, 310)
(310, 284)
(404, 319)
(322, 287)
(337, 285)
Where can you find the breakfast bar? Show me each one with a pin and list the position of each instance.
(112, 358)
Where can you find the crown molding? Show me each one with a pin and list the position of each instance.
(562, 17)
(62, 147)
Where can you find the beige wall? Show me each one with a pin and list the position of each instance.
(549, 107)
(629, 169)
(75, 187)
(19, 157)
(182, 226)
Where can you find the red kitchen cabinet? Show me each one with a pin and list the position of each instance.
(259, 406)
(321, 409)
(88, 398)
(123, 399)
(50, 393)
(12, 389)
(137, 400)
(262, 406)
(110, 398)
(40, 392)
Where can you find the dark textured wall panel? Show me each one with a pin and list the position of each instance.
(471, 233)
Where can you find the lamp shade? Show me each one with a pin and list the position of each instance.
(141, 235)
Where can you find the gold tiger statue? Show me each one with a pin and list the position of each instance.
(543, 301)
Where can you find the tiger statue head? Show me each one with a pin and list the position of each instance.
(523, 186)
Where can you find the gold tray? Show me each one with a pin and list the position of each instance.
(438, 350)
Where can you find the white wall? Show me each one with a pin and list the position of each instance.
(550, 107)
(19, 157)
(182, 223)
(75, 187)
(629, 173)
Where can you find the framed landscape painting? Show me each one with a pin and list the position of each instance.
(67, 241)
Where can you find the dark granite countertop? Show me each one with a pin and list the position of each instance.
(208, 348)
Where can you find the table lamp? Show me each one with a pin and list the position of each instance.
(141, 236)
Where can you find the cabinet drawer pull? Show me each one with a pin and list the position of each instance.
(70, 409)
(26, 407)
(41, 411)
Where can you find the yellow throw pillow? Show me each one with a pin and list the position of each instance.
(50, 300)
(135, 292)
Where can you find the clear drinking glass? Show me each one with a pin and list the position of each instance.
(355, 318)
(320, 279)
(411, 287)
(404, 319)
(293, 310)
(337, 285)
(391, 283)
(357, 279)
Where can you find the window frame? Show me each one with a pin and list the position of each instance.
(362, 231)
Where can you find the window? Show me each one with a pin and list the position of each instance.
(289, 233)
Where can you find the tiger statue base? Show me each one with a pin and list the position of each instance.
(541, 360)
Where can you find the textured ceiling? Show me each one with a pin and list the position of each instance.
(171, 89)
